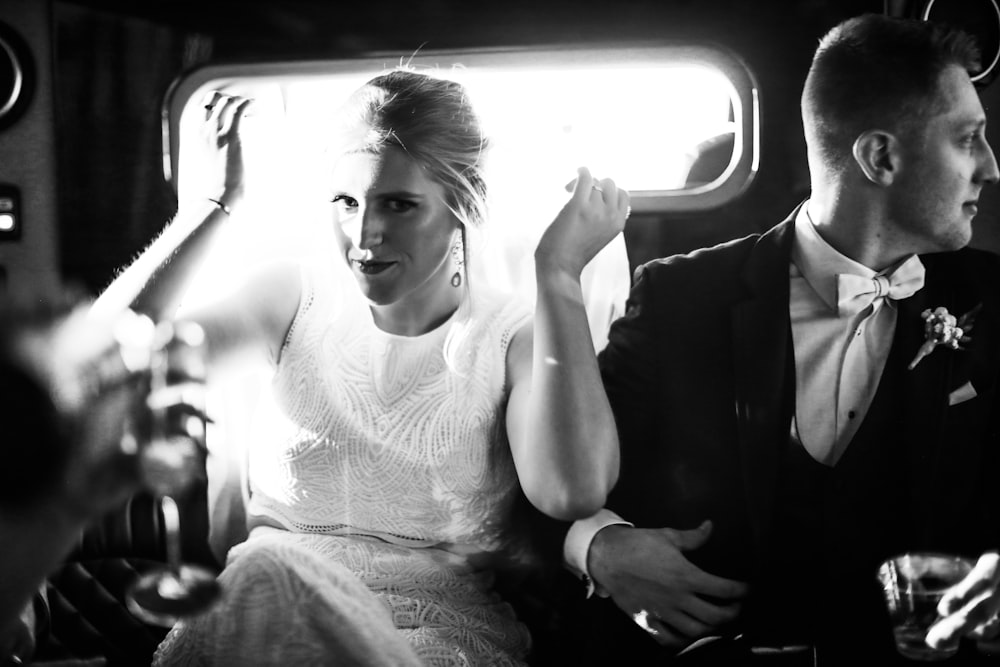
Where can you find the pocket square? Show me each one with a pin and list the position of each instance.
(962, 394)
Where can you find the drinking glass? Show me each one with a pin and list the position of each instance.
(913, 585)
(171, 459)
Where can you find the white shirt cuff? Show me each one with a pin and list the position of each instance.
(576, 546)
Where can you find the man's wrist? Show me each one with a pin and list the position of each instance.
(577, 546)
(601, 546)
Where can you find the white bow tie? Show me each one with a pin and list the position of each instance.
(855, 293)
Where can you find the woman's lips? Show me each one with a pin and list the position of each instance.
(372, 267)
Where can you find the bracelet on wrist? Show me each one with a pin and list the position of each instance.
(222, 207)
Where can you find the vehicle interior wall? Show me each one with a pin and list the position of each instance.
(28, 155)
(113, 62)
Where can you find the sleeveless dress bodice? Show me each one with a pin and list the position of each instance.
(368, 432)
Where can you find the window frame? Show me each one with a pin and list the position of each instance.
(729, 185)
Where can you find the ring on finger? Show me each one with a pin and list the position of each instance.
(641, 618)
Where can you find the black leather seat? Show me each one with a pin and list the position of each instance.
(88, 617)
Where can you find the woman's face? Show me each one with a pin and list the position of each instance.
(394, 231)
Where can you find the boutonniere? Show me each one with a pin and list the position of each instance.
(943, 328)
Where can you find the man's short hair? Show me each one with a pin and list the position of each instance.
(874, 71)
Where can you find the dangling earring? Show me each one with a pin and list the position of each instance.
(458, 256)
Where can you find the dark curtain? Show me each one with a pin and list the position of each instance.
(111, 78)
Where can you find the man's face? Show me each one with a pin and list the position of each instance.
(946, 163)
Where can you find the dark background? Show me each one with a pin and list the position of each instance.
(113, 61)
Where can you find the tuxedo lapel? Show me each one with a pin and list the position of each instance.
(761, 339)
(923, 387)
(924, 390)
(920, 406)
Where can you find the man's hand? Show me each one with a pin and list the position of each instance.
(648, 576)
(971, 608)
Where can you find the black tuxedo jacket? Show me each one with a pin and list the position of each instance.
(700, 374)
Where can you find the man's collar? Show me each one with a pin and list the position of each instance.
(819, 262)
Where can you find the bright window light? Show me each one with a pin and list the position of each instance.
(651, 118)
(639, 115)
(543, 123)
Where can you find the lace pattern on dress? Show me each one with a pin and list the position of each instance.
(367, 432)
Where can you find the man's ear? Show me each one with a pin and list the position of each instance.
(877, 153)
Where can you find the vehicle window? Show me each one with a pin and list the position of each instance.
(676, 125)
(671, 124)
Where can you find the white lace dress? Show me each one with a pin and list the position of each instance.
(380, 487)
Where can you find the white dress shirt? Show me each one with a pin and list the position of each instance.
(839, 359)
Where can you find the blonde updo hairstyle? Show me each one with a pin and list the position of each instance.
(432, 120)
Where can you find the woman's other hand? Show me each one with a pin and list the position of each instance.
(223, 116)
(595, 214)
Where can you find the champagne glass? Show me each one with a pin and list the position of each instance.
(171, 459)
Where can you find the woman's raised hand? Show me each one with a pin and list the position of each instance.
(593, 216)
(223, 115)
(156, 282)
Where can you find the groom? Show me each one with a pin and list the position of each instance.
(783, 427)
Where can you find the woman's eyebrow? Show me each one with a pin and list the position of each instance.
(401, 194)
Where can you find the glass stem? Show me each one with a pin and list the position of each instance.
(171, 527)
